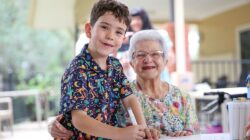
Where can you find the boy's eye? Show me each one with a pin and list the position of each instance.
(119, 33)
(104, 27)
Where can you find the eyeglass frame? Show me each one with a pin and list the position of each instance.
(148, 53)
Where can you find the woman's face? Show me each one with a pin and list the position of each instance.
(136, 23)
(148, 61)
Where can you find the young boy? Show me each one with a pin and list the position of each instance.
(94, 84)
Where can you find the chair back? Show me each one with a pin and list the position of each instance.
(6, 112)
(5, 106)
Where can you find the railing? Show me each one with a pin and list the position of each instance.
(233, 71)
(37, 94)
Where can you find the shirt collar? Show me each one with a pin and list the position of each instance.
(93, 65)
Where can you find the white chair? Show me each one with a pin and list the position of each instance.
(6, 112)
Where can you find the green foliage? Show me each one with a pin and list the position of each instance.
(37, 57)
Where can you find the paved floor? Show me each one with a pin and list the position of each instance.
(27, 131)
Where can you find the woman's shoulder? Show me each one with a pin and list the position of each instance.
(134, 88)
(133, 85)
(176, 90)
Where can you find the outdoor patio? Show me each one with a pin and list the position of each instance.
(27, 131)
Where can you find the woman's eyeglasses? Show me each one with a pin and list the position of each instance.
(142, 55)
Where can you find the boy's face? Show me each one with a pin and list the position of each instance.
(107, 34)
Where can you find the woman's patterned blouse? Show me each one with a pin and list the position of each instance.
(174, 112)
(85, 86)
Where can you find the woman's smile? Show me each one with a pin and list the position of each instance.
(148, 67)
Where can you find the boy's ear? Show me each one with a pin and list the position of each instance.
(131, 64)
(124, 37)
(88, 29)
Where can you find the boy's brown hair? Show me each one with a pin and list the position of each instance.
(119, 10)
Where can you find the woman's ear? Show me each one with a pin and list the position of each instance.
(88, 29)
(166, 62)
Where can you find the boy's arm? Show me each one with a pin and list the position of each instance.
(93, 127)
(132, 102)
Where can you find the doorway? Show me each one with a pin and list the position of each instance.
(243, 37)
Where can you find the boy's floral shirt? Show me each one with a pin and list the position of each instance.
(85, 86)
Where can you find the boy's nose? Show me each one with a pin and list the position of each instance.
(110, 35)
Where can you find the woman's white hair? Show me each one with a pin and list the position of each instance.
(150, 34)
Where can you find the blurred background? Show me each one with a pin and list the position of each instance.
(38, 38)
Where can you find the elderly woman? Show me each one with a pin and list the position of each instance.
(165, 106)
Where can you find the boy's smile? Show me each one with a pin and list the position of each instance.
(108, 45)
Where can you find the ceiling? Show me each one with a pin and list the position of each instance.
(193, 9)
(65, 13)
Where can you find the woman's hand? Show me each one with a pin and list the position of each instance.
(134, 132)
(56, 130)
(247, 130)
(179, 133)
(152, 134)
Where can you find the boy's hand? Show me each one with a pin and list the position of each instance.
(56, 130)
(247, 130)
(135, 132)
(179, 133)
(152, 134)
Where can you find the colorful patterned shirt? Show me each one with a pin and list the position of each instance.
(85, 86)
(174, 112)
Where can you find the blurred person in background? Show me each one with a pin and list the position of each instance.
(139, 21)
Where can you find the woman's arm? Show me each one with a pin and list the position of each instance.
(56, 130)
(191, 123)
(132, 102)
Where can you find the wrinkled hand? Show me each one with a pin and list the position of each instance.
(152, 134)
(56, 130)
(247, 130)
(179, 133)
(135, 132)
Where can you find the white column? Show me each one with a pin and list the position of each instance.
(179, 36)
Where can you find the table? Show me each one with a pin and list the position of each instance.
(218, 136)
(35, 93)
(232, 91)
(199, 95)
